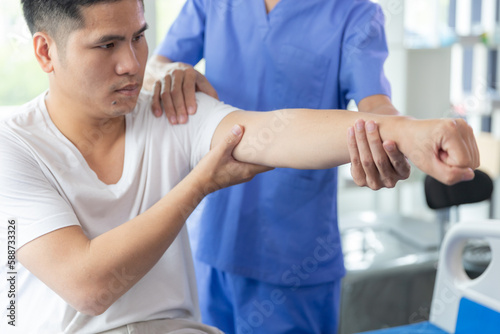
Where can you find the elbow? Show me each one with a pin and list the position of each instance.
(92, 309)
(92, 302)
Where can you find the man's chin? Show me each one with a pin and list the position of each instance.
(121, 107)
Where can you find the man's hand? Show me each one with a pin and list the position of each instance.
(218, 169)
(174, 86)
(374, 164)
(445, 149)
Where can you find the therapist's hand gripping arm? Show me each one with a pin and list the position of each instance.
(374, 163)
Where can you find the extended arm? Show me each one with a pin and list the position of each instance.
(309, 139)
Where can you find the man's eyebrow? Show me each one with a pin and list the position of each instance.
(143, 29)
(109, 38)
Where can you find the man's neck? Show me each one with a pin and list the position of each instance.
(270, 4)
(101, 141)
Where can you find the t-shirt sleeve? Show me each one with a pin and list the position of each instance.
(364, 51)
(184, 40)
(27, 196)
(196, 135)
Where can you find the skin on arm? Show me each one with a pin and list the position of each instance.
(174, 86)
(91, 275)
(312, 139)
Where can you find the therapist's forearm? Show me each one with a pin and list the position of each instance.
(377, 104)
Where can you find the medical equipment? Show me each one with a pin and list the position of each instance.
(462, 305)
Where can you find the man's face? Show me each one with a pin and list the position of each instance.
(102, 65)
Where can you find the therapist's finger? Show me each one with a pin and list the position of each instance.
(203, 85)
(166, 100)
(177, 95)
(384, 174)
(365, 154)
(398, 160)
(156, 105)
(357, 172)
(189, 89)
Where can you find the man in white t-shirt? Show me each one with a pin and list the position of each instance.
(94, 190)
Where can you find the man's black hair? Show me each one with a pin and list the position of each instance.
(57, 17)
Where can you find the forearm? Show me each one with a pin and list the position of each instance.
(316, 139)
(304, 139)
(138, 244)
(377, 104)
(92, 274)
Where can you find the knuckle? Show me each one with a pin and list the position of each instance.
(382, 163)
(389, 183)
(358, 176)
(367, 163)
(176, 89)
(177, 72)
(361, 182)
(372, 184)
(355, 161)
(402, 166)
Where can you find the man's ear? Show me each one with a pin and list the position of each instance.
(45, 48)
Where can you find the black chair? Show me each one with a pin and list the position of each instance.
(444, 198)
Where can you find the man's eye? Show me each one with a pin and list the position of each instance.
(137, 38)
(107, 46)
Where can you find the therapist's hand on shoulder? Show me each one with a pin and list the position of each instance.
(174, 86)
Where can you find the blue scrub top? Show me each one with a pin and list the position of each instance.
(282, 226)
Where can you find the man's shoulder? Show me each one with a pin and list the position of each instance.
(15, 113)
(21, 119)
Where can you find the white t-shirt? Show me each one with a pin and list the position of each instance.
(46, 184)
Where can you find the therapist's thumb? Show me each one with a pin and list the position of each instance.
(233, 138)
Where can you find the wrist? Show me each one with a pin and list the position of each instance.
(200, 183)
(399, 129)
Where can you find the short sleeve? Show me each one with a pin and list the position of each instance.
(196, 135)
(26, 195)
(364, 51)
(184, 41)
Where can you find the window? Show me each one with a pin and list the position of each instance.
(22, 78)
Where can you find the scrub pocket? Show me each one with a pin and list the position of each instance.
(300, 79)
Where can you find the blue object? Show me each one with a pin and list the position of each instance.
(309, 54)
(236, 304)
(280, 228)
(419, 328)
(476, 318)
(472, 318)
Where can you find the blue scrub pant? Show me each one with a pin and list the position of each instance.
(240, 305)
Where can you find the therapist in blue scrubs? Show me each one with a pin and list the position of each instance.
(269, 257)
